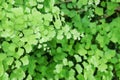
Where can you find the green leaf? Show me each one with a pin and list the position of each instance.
(102, 67)
(42, 69)
(56, 10)
(85, 64)
(78, 68)
(97, 2)
(59, 57)
(84, 2)
(48, 5)
(31, 66)
(114, 60)
(59, 50)
(25, 60)
(68, 35)
(93, 28)
(27, 10)
(7, 33)
(70, 6)
(58, 68)
(91, 52)
(48, 17)
(2, 14)
(101, 40)
(27, 32)
(111, 6)
(4, 77)
(9, 60)
(28, 48)
(65, 62)
(16, 39)
(52, 34)
(1, 69)
(118, 72)
(90, 2)
(94, 60)
(75, 33)
(19, 21)
(60, 35)
(12, 47)
(66, 28)
(82, 51)
(17, 11)
(51, 3)
(80, 77)
(32, 40)
(19, 53)
(57, 23)
(32, 3)
(2, 56)
(17, 64)
(114, 37)
(99, 52)
(5, 46)
(117, 67)
(71, 72)
(70, 63)
(80, 3)
(109, 54)
(39, 6)
(17, 74)
(46, 23)
(99, 11)
(78, 58)
(103, 3)
(29, 77)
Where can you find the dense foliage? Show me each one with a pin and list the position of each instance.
(59, 40)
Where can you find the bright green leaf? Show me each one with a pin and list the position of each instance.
(78, 58)
(17, 11)
(29, 77)
(48, 17)
(58, 68)
(17, 63)
(58, 24)
(78, 68)
(70, 63)
(65, 62)
(19, 53)
(28, 48)
(25, 60)
(97, 2)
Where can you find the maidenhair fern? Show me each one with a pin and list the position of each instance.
(59, 40)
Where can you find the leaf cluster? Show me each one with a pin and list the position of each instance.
(59, 40)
